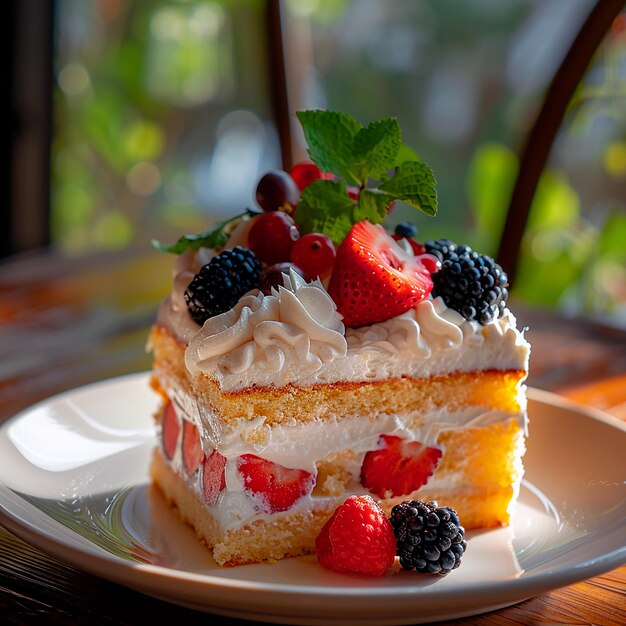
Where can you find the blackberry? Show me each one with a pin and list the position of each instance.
(440, 248)
(217, 287)
(429, 538)
(470, 283)
(406, 229)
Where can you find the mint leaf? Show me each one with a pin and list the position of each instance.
(414, 184)
(405, 154)
(214, 237)
(329, 136)
(373, 206)
(375, 148)
(325, 207)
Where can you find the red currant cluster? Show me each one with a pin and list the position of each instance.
(274, 236)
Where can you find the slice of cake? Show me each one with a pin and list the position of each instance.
(306, 356)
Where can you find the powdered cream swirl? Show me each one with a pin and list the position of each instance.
(295, 328)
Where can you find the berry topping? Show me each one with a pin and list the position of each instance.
(217, 287)
(353, 192)
(472, 284)
(374, 279)
(170, 429)
(277, 191)
(272, 236)
(275, 488)
(213, 476)
(430, 539)
(273, 276)
(358, 539)
(398, 467)
(440, 248)
(406, 229)
(305, 173)
(315, 255)
(192, 448)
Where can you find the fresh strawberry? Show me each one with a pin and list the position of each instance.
(213, 476)
(192, 448)
(170, 429)
(398, 467)
(358, 538)
(276, 488)
(374, 279)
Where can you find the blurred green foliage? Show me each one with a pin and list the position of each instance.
(162, 122)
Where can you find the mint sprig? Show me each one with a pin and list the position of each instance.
(414, 184)
(371, 158)
(214, 237)
(325, 207)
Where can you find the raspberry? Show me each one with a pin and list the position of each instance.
(430, 539)
(358, 539)
(217, 287)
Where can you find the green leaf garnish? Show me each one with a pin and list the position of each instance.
(372, 158)
(329, 137)
(375, 148)
(214, 237)
(414, 184)
(373, 205)
(325, 207)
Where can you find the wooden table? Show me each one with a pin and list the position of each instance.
(67, 323)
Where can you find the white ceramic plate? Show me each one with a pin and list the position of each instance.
(74, 482)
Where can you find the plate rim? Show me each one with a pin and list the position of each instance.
(147, 577)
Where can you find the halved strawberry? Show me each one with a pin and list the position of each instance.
(213, 476)
(192, 448)
(374, 279)
(399, 467)
(418, 248)
(170, 429)
(276, 488)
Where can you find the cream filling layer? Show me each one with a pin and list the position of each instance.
(301, 446)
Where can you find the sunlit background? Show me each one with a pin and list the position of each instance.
(163, 122)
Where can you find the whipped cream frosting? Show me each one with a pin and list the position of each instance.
(295, 335)
(295, 328)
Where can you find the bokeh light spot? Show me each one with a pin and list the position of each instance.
(615, 159)
(143, 178)
(73, 79)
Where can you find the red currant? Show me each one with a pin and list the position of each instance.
(277, 190)
(272, 236)
(315, 255)
(305, 173)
